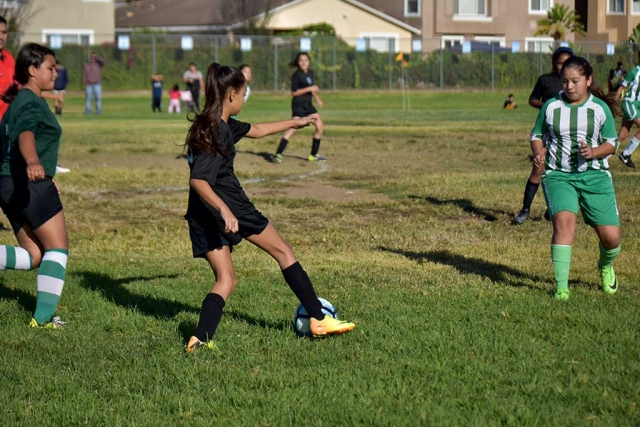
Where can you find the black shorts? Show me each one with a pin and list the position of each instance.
(303, 110)
(32, 202)
(206, 237)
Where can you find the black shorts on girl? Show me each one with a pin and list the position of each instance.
(303, 111)
(206, 237)
(32, 202)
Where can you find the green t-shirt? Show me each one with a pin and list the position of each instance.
(29, 112)
(563, 126)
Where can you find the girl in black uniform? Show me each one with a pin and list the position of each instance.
(29, 197)
(547, 87)
(302, 90)
(220, 214)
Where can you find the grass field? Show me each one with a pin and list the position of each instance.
(406, 230)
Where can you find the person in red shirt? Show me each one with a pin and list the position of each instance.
(7, 64)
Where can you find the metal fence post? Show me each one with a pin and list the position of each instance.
(275, 66)
(441, 68)
(216, 47)
(390, 63)
(334, 64)
(153, 53)
(493, 68)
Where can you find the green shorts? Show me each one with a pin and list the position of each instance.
(590, 191)
(630, 110)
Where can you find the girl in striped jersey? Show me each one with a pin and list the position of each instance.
(30, 140)
(630, 106)
(580, 132)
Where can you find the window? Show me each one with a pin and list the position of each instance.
(411, 8)
(381, 42)
(470, 7)
(636, 6)
(540, 6)
(616, 6)
(539, 44)
(495, 41)
(451, 42)
(78, 37)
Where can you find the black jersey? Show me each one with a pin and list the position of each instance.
(301, 80)
(218, 171)
(548, 86)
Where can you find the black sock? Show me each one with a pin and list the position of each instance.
(209, 317)
(282, 146)
(299, 282)
(315, 146)
(529, 193)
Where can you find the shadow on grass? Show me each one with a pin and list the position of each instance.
(269, 156)
(114, 290)
(26, 300)
(495, 272)
(466, 205)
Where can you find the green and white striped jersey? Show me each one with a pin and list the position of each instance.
(632, 83)
(562, 126)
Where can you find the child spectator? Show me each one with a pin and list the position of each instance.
(187, 99)
(156, 92)
(510, 103)
(174, 99)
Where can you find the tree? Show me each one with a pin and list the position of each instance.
(249, 17)
(560, 22)
(634, 37)
(17, 13)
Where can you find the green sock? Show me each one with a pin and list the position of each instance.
(607, 255)
(561, 258)
(50, 282)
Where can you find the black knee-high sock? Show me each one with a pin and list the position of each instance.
(209, 316)
(315, 146)
(282, 145)
(300, 284)
(529, 193)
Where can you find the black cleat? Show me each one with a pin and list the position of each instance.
(626, 160)
(522, 216)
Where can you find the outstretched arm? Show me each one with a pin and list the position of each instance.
(264, 129)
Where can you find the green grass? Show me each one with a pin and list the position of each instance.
(455, 320)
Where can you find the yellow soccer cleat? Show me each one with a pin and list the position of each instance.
(195, 344)
(55, 323)
(330, 326)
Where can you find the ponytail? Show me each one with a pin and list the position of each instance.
(11, 92)
(220, 79)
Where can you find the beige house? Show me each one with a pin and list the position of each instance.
(353, 21)
(447, 23)
(70, 22)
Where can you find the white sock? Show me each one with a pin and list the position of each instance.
(15, 258)
(631, 147)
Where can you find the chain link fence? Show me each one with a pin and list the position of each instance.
(339, 64)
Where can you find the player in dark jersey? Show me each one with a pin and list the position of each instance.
(30, 140)
(303, 90)
(548, 86)
(220, 214)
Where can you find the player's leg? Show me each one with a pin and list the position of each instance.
(51, 275)
(631, 116)
(270, 241)
(599, 209)
(562, 200)
(283, 143)
(317, 136)
(212, 305)
(530, 190)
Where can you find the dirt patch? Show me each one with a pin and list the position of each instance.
(315, 190)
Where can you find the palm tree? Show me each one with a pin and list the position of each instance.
(560, 21)
(634, 37)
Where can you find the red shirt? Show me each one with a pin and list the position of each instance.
(7, 68)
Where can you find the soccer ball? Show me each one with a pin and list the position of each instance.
(301, 317)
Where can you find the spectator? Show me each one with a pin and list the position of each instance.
(174, 99)
(246, 72)
(60, 87)
(510, 103)
(616, 77)
(156, 92)
(7, 65)
(193, 79)
(92, 80)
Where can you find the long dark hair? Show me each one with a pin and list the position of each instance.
(220, 79)
(584, 68)
(30, 54)
(294, 62)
